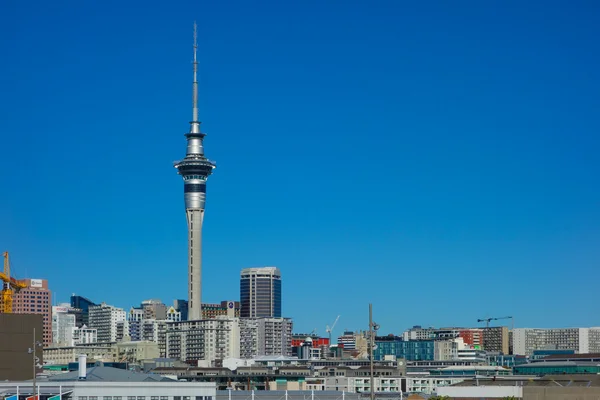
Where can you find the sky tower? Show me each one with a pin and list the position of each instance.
(195, 169)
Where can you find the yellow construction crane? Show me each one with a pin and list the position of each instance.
(9, 287)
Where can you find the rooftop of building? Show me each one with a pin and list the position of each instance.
(549, 364)
(571, 356)
(109, 374)
(591, 380)
(473, 367)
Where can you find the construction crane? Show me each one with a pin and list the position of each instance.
(487, 320)
(9, 286)
(328, 329)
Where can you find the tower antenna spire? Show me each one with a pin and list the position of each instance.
(195, 124)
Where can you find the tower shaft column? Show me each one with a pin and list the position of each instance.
(195, 219)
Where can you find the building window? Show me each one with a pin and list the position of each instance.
(154, 398)
(105, 397)
(93, 397)
(141, 398)
(81, 397)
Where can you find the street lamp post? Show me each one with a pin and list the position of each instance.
(373, 327)
(36, 364)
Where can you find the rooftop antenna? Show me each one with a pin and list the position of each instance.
(195, 128)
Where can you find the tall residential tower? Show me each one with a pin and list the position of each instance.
(195, 169)
(260, 292)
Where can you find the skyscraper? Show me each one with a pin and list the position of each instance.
(260, 292)
(195, 169)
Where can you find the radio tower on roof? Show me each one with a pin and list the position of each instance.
(195, 169)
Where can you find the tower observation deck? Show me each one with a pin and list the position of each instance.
(195, 168)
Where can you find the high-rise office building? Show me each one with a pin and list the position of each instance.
(105, 319)
(182, 307)
(260, 292)
(36, 298)
(195, 169)
(83, 304)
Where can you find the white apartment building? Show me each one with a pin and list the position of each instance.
(265, 337)
(581, 340)
(173, 315)
(206, 339)
(62, 324)
(151, 329)
(123, 329)
(430, 384)
(105, 318)
(419, 333)
(83, 335)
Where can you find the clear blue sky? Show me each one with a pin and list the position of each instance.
(438, 159)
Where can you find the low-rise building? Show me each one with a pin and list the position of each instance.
(104, 382)
(554, 387)
(69, 354)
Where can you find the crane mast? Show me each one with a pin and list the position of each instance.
(9, 287)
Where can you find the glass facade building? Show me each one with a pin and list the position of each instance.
(260, 292)
(557, 368)
(411, 350)
(83, 304)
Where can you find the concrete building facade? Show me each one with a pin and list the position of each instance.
(223, 308)
(201, 340)
(104, 318)
(265, 337)
(496, 339)
(63, 323)
(36, 298)
(581, 340)
(82, 335)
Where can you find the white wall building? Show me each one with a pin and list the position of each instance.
(81, 335)
(62, 324)
(581, 340)
(151, 329)
(104, 318)
(173, 315)
(419, 333)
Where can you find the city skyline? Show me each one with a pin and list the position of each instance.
(476, 127)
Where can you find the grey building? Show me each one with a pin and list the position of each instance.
(265, 337)
(260, 292)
